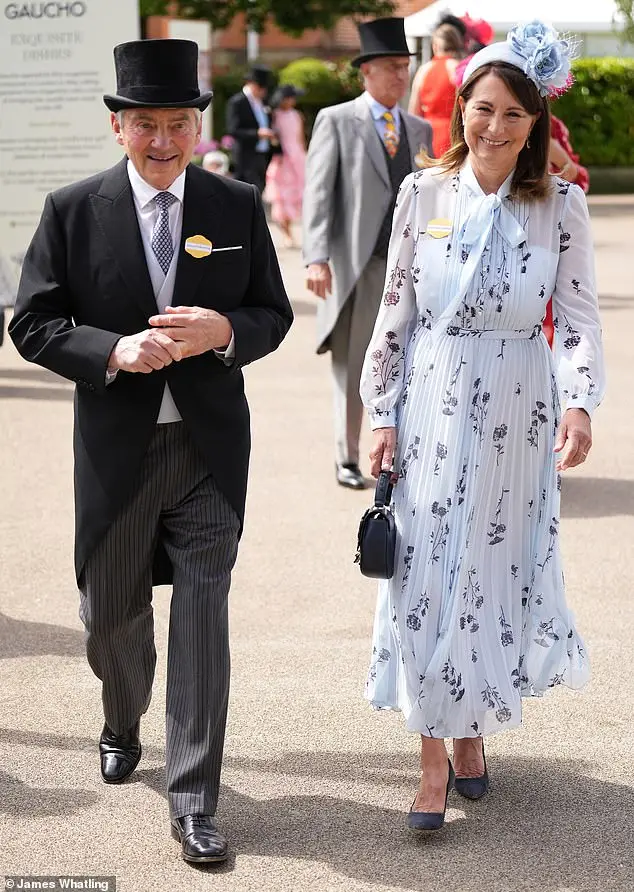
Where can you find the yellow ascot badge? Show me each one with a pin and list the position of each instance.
(439, 227)
(198, 246)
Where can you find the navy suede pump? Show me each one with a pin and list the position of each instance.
(430, 821)
(474, 787)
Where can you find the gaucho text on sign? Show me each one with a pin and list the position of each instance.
(47, 10)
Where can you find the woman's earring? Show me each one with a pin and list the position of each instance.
(528, 143)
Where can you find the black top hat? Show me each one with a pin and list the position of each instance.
(260, 75)
(157, 74)
(448, 18)
(382, 37)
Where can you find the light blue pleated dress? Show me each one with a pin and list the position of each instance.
(475, 616)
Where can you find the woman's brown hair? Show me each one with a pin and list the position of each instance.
(530, 179)
(449, 39)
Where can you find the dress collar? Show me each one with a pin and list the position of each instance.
(468, 177)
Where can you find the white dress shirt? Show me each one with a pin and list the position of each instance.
(377, 111)
(263, 145)
(147, 213)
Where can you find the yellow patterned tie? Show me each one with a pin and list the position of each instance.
(390, 136)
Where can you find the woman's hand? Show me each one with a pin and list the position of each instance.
(383, 448)
(574, 439)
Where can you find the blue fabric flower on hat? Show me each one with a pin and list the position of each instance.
(546, 57)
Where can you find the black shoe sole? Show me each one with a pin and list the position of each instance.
(198, 859)
(120, 780)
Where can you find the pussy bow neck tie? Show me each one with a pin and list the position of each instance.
(489, 212)
(486, 213)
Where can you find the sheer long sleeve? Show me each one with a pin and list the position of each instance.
(384, 365)
(578, 347)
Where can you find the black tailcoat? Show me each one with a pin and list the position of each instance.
(243, 126)
(85, 283)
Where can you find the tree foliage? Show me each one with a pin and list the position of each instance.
(292, 16)
(626, 8)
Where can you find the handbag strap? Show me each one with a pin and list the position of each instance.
(383, 492)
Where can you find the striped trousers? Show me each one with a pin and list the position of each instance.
(175, 500)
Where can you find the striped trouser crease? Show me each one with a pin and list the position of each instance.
(176, 500)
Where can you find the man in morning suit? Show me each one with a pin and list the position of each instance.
(248, 122)
(359, 154)
(150, 285)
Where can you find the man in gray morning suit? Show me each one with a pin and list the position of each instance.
(150, 285)
(359, 154)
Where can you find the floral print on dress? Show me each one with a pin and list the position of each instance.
(476, 617)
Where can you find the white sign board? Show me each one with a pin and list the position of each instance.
(56, 63)
(200, 33)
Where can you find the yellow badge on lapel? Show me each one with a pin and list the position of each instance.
(198, 246)
(439, 228)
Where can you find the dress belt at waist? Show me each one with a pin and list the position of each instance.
(494, 333)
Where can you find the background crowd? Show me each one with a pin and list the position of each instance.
(266, 133)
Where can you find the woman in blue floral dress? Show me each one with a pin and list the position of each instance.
(479, 417)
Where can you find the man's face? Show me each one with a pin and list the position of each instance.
(387, 79)
(257, 91)
(159, 142)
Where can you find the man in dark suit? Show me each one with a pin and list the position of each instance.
(150, 285)
(248, 122)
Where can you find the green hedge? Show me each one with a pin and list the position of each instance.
(599, 111)
(324, 83)
(224, 86)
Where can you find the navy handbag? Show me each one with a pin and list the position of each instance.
(376, 541)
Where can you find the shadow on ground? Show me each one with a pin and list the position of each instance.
(615, 302)
(546, 825)
(45, 740)
(596, 497)
(18, 799)
(29, 373)
(21, 638)
(36, 393)
(610, 209)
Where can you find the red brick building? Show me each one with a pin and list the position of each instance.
(277, 48)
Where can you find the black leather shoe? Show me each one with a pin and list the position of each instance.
(430, 821)
(120, 754)
(350, 476)
(474, 787)
(200, 839)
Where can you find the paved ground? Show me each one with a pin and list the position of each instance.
(315, 784)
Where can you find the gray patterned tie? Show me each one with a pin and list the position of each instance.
(161, 238)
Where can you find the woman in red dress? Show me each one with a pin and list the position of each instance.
(434, 89)
(564, 162)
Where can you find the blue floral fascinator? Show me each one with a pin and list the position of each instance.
(538, 50)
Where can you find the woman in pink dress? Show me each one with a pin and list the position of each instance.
(285, 174)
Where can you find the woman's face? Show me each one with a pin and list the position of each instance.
(288, 102)
(496, 125)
